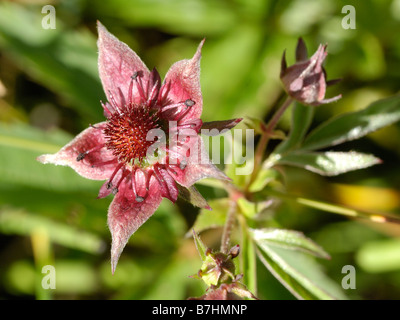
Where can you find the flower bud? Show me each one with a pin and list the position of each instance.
(305, 81)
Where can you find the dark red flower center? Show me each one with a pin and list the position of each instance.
(126, 132)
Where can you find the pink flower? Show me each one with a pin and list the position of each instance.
(305, 81)
(139, 109)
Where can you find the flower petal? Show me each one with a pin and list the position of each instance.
(126, 215)
(198, 165)
(117, 64)
(98, 164)
(184, 80)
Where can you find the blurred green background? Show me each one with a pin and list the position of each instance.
(50, 91)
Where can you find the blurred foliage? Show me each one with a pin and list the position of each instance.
(50, 91)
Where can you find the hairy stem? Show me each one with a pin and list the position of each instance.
(267, 132)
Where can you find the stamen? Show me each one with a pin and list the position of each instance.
(171, 106)
(167, 183)
(148, 175)
(183, 164)
(158, 175)
(114, 103)
(189, 103)
(105, 107)
(162, 96)
(123, 176)
(110, 184)
(186, 105)
(139, 85)
(82, 155)
(194, 124)
(103, 163)
(153, 94)
(177, 155)
(134, 183)
(130, 101)
(135, 75)
(134, 189)
(171, 170)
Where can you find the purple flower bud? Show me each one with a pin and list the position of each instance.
(305, 81)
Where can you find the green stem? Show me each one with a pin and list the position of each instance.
(248, 258)
(267, 132)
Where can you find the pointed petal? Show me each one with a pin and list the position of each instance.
(283, 64)
(184, 80)
(332, 82)
(301, 51)
(125, 215)
(318, 58)
(329, 100)
(216, 127)
(93, 165)
(117, 64)
(198, 166)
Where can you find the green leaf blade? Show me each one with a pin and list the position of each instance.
(297, 272)
(288, 239)
(20, 145)
(215, 218)
(351, 126)
(329, 163)
(301, 120)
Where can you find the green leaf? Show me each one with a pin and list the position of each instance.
(380, 256)
(20, 145)
(298, 272)
(65, 61)
(329, 207)
(13, 221)
(258, 125)
(215, 218)
(301, 120)
(264, 177)
(329, 163)
(174, 271)
(288, 239)
(351, 126)
(208, 17)
(251, 209)
(200, 246)
(248, 260)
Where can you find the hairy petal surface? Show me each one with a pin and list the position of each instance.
(198, 165)
(184, 80)
(98, 164)
(117, 64)
(126, 215)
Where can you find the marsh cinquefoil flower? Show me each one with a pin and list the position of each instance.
(142, 112)
(305, 81)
